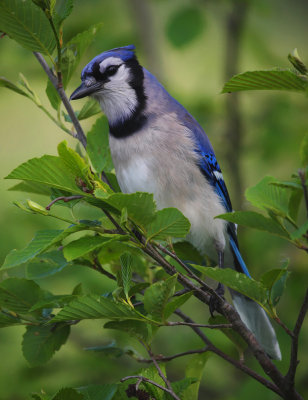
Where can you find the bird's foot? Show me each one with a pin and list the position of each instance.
(214, 302)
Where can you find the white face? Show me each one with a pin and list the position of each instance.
(116, 97)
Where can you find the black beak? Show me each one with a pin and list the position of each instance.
(83, 90)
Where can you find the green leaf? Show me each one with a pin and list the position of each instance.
(10, 85)
(268, 196)
(275, 281)
(169, 222)
(301, 231)
(26, 23)
(41, 242)
(71, 55)
(53, 95)
(279, 287)
(195, 370)
(68, 394)
(46, 264)
(47, 170)
(136, 329)
(237, 281)
(304, 151)
(56, 193)
(110, 350)
(75, 164)
(98, 146)
(19, 295)
(235, 338)
(30, 187)
(152, 374)
(140, 206)
(78, 290)
(61, 11)
(138, 288)
(86, 244)
(297, 62)
(95, 307)
(295, 202)
(52, 301)
(74, 50)
(41, 342)
(40, 396)
(8, 320)
(187, 252)
(274, 79)
(112, 251)
(90, 108)
(43, 4)
(255, 220)
(175, 303)
(157, 296)
(126, 272)
(184, 26)
(98, 392)
(180, 387)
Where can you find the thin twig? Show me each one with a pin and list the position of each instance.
(53, 79)
(144, 379)
(98, 267)
(284, 327)
(211, 347)
(169, 358)
(218, 326)
(66, 199)
(160, 372)
(190, 273)
(302, 176)
(290, 376)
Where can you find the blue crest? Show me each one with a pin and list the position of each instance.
(125, 53)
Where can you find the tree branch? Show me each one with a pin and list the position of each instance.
(290, 376)
(211, 347)
(53, 79)
(302, 176)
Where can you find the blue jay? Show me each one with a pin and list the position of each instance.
(158, 147)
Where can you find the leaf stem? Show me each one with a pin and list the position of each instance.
(218, 326)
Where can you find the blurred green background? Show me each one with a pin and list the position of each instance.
(193, 47)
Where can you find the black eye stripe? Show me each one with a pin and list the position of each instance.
(111, 70)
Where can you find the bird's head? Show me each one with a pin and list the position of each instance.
(115, 79)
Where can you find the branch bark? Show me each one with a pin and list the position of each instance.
(54, 80)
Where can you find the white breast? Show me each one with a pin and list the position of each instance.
(164, 163)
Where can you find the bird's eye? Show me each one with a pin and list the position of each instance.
(111, 70)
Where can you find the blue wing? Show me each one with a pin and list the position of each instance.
(212, 172)
(208, 163)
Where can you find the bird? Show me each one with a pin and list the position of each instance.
(158, 147)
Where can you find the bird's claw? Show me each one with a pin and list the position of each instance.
(214, 302)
